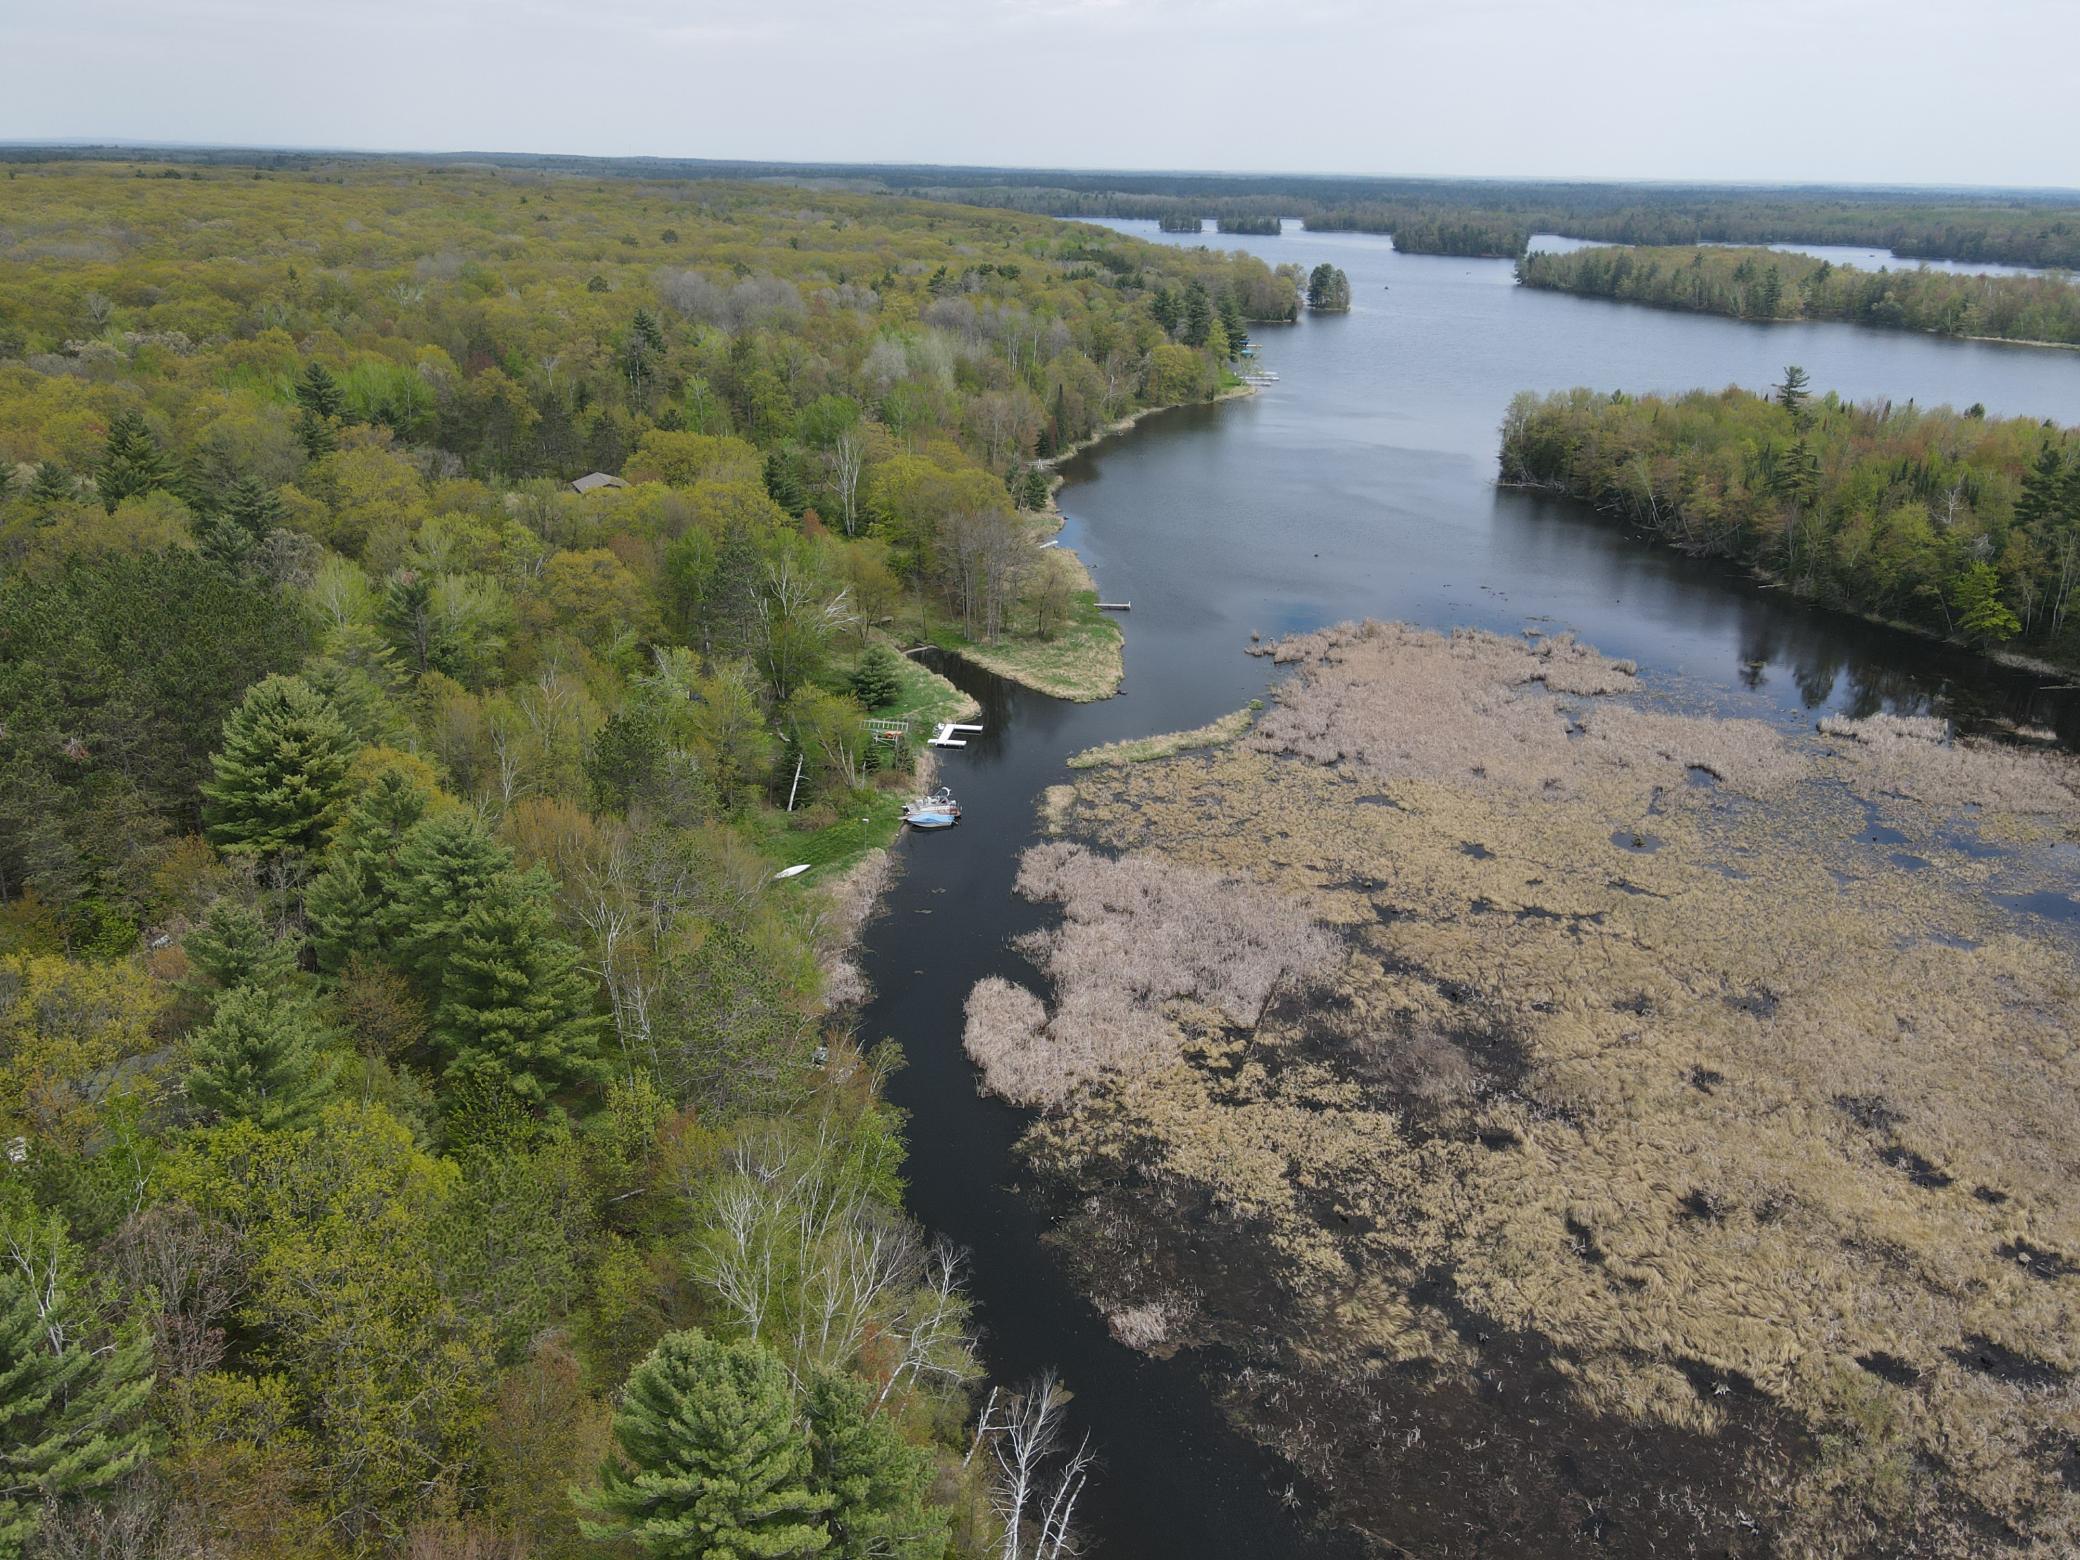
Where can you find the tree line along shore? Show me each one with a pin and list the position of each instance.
(1953, 523)
(1769, 284)
(417, 1089)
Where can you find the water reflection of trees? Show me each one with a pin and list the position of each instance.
(1863, 669)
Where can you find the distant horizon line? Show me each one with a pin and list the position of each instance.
(133, 145)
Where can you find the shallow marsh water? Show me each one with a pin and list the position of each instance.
(1361, 484)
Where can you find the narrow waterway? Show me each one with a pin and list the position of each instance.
(1360, 484)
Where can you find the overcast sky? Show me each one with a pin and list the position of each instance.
(1893, 91)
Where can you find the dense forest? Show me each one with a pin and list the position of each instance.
(1955, 523)
(1421, 230)
(2016, 227)
(420, 1102)
(1769, 284)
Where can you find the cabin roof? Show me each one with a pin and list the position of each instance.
(592, 481)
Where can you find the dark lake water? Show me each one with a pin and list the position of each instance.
(1360, 484)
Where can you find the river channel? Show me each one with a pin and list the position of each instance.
(1360, 484)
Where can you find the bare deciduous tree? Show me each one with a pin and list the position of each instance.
(848, 458)
(1037, 1480)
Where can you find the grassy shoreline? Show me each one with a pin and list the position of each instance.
(1143, 750)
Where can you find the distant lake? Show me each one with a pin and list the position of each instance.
(1362, 483)
(1560, 244)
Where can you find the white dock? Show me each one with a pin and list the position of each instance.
(945, 735)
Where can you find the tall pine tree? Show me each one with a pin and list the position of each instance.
(445, 864)
(71, 1402)
(281, 773)
(348, 902)
(876, 1481)
(264, 1057)
(52, 484)
(515, 1010)
(231, 533)
(132, 463)
(713, 1463)
(234, 946)
(321, 405)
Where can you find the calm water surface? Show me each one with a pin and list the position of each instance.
(1360, 484)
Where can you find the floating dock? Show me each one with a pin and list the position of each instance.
(945, 737)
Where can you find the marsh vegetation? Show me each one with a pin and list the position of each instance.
(1561, 1112)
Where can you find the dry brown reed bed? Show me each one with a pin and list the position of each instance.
(1142, 942)
(1682, 1080)
(851, 899)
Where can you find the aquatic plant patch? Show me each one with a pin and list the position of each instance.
(1646, 1093)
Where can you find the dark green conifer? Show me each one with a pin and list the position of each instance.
(515, 1010)
(132, 463)
(445, 864)
(264, 1057)
(713, 1463)
(52, 484)
(877, 1483)
(877, 680)
(231, 532)
(234, 946)
(2046, 488)
(71, 1398)
(281, 773)
(319, 394)
(348, 903)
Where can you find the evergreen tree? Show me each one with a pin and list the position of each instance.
(1328, 289)
(348, 903)
(876, 1481)
(264, 1058)
(784, 484)
(1981, 614)
(713, 1464)
(232, 531)
(1231, 322)
(406, 615)
(1198, 315)
(445, 864)
(1797, 476)
(2046, 488)
(52, 484)
(515, 1009)
(1792, 394)
(71, 1418)
(877, 680)
(281, 773)
(319, 436)
(234, 946)
(319, 394)
(132, 463)
(321, 405)
(624, 758)
(1166, 309)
